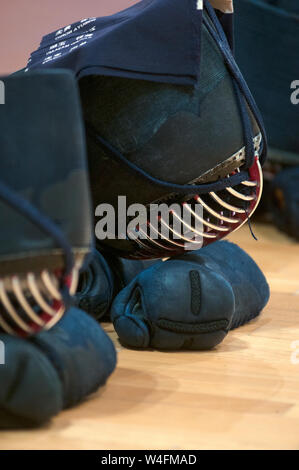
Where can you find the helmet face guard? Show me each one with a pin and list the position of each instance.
(169, 120)
(194, 217)
(221, 215)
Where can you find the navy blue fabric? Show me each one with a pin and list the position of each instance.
(178, 188)
(101, 281)
(155, 40)
(250, 287)
(190, 301)
(97, 287)
(41, 109)
(288, 5)
(284, 201)
(267, 42)
(23, 206)
(217, 32)
(54, 370)
(143, 41)
(227, 22)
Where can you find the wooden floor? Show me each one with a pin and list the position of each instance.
(244, 395)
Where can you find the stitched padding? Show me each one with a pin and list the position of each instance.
(195, 328)
(195, 292)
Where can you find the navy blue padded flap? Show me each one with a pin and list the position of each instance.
(155, 40)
